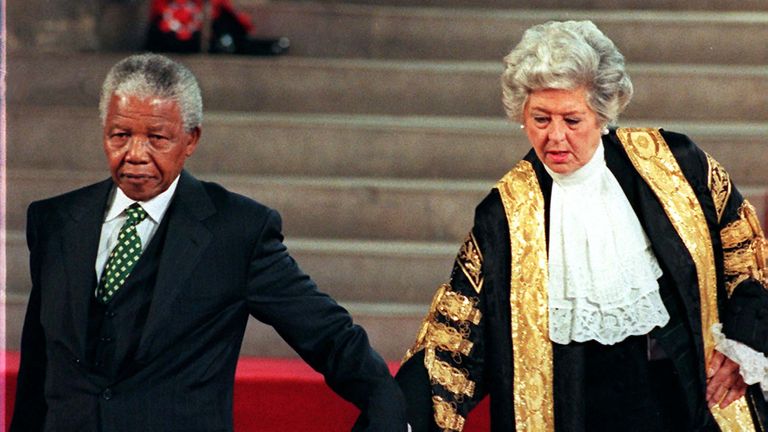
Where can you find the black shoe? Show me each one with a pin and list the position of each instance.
(228, 44)
(228, 36)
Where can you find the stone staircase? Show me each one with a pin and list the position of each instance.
(383, 129)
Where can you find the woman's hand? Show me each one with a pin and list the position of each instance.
(724, 382)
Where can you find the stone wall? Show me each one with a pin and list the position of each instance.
(76, 25)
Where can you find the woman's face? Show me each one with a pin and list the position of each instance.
(562, 128)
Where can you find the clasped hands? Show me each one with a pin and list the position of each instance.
(724, 382)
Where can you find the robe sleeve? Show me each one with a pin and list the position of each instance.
(743, 334)
(441, 374)
(745, 316)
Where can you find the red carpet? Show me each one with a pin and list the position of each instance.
(276, 395)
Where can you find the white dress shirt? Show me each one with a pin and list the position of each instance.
(115, 217)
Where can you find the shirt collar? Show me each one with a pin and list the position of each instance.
(155, 207)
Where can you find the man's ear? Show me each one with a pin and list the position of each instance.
(193, 137)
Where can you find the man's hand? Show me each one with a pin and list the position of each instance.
(724, 382)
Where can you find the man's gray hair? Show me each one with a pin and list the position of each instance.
(567, 55)
(154, 75)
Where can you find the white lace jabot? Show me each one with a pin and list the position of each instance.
(602, 273)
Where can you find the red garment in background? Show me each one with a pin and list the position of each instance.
(185, 17)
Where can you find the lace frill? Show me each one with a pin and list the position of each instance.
(609, 321)
(753, 365)
(607, 326)
(602, 272)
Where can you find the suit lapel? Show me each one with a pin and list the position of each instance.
(80, 241)
(185, 240)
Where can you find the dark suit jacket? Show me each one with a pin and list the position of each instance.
(223, 259)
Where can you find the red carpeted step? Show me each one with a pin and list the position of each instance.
(272, 395)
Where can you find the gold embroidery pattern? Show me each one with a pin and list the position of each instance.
(446, 416)
(655, 162)
(532, 350)
(419, 344)
(454, 380)
(470, 260)
(742, 261)
(421, 338)
(448, 339)
(719, 185)
(759, 244)
(457, 307)
(434, 334)
(736, 233)
(745, 248)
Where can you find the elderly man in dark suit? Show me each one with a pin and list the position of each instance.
(142, 285)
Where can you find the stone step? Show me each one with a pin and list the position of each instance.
(342, 86)
(309, 145)
(329, 208)
(384, 31)
(391, 328)
(585, 5)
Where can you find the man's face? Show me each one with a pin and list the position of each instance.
(146, 144)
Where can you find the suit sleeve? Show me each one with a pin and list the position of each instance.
(442, 374)
(30, 407)
(745, 316)
(321, 332)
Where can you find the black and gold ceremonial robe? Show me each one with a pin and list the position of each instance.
(486, 332)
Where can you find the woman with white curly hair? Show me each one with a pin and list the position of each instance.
(613, 280)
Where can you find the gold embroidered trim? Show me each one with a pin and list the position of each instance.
(457, 307)
(719, 185)
(747, 211)
(742, 261)
(745, 254)
(454, 380)
(759, 244)
(418, 345)
(735, 233)
(470, 260)
(655, 162)
(529, 304)
(447, 338)
(735, 417)
(421, 337)
(446, 416)
(731, 284)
